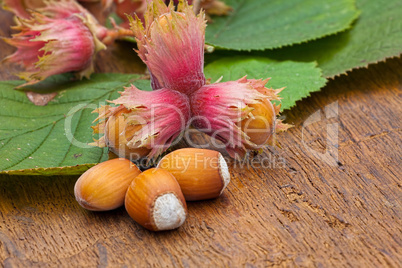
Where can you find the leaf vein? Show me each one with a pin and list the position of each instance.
(36, 149)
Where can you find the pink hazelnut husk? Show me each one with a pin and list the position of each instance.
(47, 47)
(171, 44)
(238, 113)
(144, 124)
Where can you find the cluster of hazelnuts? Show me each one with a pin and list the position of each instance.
(156, 198)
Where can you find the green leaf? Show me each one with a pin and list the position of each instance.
(262, 24)
(299, 78)
(376, 35)
(52, 139)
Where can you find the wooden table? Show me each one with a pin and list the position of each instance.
(332, 196)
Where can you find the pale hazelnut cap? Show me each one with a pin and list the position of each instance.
(168, 212)
(224, 172)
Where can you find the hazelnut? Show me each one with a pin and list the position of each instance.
(260, 127)
(118, 131)
(155, 201)
(201, 173)
(103, 187)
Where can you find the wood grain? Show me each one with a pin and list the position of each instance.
(287, 207)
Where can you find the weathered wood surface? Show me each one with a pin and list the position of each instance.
(339, 209)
